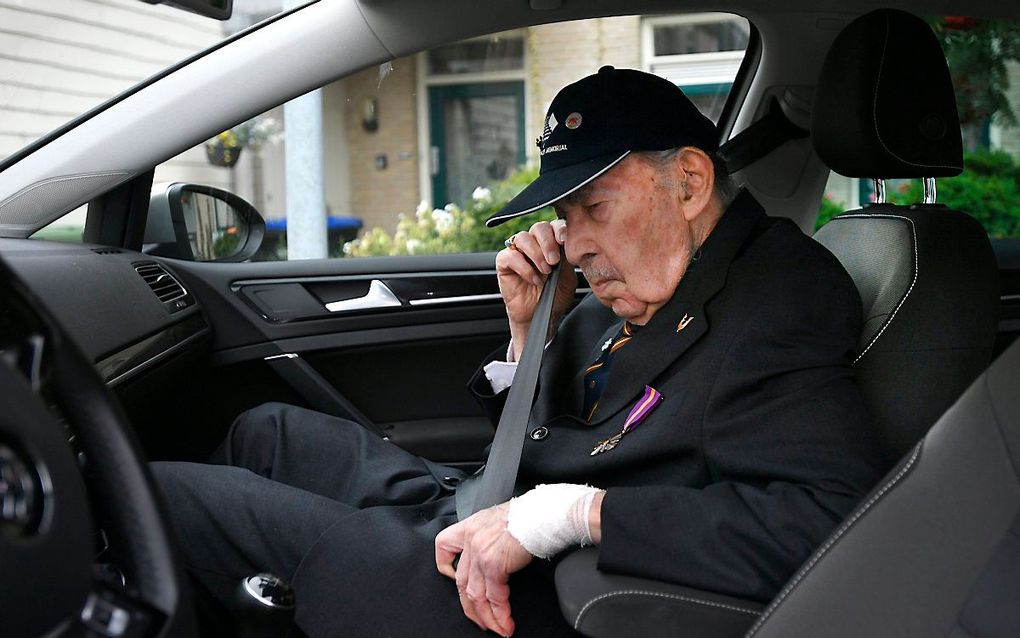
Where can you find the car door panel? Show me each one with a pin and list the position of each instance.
(402, 364)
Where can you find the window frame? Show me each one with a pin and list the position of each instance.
(649, 59)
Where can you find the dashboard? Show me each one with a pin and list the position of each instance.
(126, 311)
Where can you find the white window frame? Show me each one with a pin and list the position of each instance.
(717, 67)
(426, 79)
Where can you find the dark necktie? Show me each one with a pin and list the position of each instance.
(597, 374)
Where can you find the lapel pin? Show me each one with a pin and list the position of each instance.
(683, 322)
(648, 402)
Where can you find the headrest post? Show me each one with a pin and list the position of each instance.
(879, 190)
(929, 190)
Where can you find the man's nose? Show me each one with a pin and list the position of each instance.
(570, 248)
(577, 243)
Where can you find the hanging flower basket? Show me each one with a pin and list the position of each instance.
(225, 149)
(219, 154)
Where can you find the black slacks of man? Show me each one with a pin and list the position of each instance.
(347, 518)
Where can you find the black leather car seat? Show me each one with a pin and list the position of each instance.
(884, 107)
(935, 550)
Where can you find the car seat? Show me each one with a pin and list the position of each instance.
(927, 274)
(884, 108)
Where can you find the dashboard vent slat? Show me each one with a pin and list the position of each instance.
(162, 283)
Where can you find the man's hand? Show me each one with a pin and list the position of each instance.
(523, 271)
(488, 555)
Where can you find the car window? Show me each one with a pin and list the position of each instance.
(61, 58)
(411, 157)
(69, 227)
(984, 62)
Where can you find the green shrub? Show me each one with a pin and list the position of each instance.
(455, 228)
(225, 245)
(988, 190)
(827, 211)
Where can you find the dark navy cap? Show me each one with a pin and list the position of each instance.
(597, 121)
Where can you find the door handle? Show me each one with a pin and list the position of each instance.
(378, 296)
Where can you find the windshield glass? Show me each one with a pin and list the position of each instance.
(60, 58)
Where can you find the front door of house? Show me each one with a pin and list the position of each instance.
(476, 136)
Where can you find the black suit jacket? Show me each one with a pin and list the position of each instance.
(761, 444)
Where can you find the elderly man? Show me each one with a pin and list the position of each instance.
(696, 416)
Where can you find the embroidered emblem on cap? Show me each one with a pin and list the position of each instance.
(550, 126)
(573, 120)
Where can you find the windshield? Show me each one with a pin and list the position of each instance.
(60, 58)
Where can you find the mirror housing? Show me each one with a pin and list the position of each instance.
(216, 9)
(201, 223)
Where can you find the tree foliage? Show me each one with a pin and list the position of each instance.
(977, 51)
(988, 190)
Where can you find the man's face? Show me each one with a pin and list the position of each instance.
(627, 232)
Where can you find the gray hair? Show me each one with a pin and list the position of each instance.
(725, 186)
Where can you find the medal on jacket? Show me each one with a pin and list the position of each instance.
(648, 402)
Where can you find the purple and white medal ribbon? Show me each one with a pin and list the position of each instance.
(638, 413)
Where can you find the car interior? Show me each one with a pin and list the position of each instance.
(125, 347)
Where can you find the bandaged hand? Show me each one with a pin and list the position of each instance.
(552, 518)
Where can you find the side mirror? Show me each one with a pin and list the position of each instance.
(201, 223)
(217, 9)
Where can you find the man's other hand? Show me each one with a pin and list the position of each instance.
(488, 555)
(522, 271)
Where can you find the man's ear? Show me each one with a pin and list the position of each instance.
(697, 181)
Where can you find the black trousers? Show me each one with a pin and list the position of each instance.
(347, 518)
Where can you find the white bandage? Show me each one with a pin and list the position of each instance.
(551, 518)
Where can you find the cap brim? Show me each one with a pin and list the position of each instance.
(554, 185)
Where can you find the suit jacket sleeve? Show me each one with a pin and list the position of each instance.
(788, 447)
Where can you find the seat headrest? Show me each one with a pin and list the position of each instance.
(884, 106)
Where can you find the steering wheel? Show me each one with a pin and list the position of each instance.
(51, 492)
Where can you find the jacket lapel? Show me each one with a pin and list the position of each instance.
(681, 322)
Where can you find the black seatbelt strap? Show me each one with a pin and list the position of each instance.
(496, 482)
(760, 139)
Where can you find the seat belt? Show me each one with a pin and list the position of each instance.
(760, 138)
(494, 483)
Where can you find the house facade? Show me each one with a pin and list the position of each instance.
(435, 126)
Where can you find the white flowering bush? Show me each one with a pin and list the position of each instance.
(453, 228)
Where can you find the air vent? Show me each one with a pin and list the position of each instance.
(107, 251)
(167, 289)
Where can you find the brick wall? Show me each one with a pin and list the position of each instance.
(379, 195)
(557, 55)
